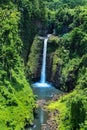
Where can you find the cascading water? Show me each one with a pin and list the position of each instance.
(43, 70)
(43, 82)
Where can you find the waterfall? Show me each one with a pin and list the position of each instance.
(43, 82)
(43, 70)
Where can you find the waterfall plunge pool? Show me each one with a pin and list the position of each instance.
(40, 84)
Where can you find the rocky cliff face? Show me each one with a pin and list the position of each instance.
(60, 70)
(35, 61)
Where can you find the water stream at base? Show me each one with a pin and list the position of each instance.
(43, 94)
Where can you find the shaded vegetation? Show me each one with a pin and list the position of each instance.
(35, 57)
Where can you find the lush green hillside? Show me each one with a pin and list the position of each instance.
(20, 21)
(70, 27)
(16, 98)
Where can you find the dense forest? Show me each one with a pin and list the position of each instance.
(21, 22)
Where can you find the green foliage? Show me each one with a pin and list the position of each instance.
(56, 4)
(72, 45)
(77, 113)
(64, 17)
(16, 107)
(20, 21)
(33, 17)
(72, 108)
(78, 42)
(16, 97)
(73, 3)
(34, 57)
(69, 71)
(70, 26)
(52, 43)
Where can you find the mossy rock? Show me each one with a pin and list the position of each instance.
(35, 56)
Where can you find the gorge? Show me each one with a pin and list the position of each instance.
(45, 92)
(63, 64)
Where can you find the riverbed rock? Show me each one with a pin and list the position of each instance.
(44, 127)
(41, 103)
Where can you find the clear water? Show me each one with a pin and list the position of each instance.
(45, 93)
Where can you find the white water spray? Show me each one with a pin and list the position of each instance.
(43, 82)
(43, 70)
